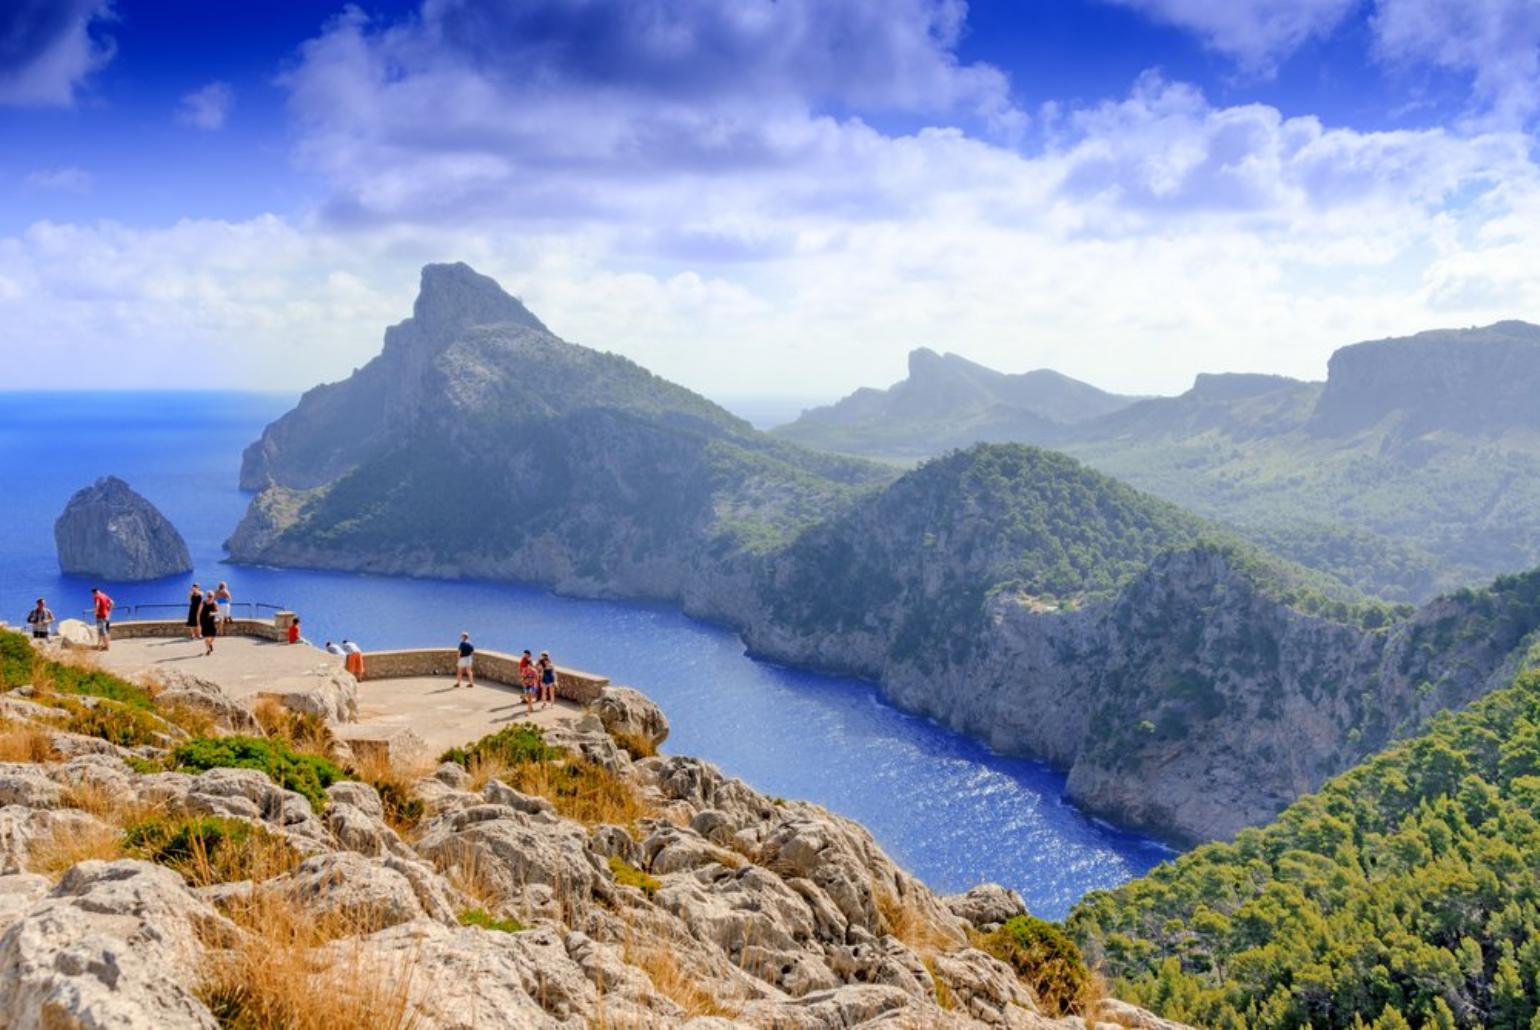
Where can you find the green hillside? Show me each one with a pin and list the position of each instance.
(1405, 892)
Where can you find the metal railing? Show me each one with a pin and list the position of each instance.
(150, 610)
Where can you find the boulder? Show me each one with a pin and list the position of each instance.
(115, 944)
(624, 710)
(77, 635)
(364, 894)
(18, 893)
(986, 906)
(109, 532)
(189, 691)
(25, 784)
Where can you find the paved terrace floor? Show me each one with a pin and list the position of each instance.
(442, 714)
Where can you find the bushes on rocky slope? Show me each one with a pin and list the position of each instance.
(210, 849)
(1406, 890)
(305, 774)
(1046, 960)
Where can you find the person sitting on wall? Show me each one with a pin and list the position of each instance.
(294, 631)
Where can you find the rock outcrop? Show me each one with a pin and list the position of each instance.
(717, 907)
(109, 532)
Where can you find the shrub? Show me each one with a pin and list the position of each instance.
(1045, 959)
(117, 723)
(305, 732)
(487, 921)
(627, 875)
(515, 745)
(309, 775)
(210, 849)
(635, 744)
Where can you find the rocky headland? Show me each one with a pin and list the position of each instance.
(170, 857)
(1189, 683)
(110, 532)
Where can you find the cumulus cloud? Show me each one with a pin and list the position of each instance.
(48, 48)
(206, 107)
(1256, 33)
(67, 179)
(1495, 43)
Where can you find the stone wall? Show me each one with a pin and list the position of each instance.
(571, 684)
(142, 628)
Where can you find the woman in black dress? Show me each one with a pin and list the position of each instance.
(194, 608)
(208, 622)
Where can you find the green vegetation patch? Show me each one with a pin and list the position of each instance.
(208, 849)
(627, 875)
(1045, 959)
(487, 921)
(515, 745)
(305, 774)
(1406, 891)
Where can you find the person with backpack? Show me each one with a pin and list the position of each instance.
(464, 664)
(40, 619)
(101, 604)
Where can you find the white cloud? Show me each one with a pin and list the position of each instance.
(206, 107)
(67, 179)
(1496, 43)
(48, 48)
(1258, 34)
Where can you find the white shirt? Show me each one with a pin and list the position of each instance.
(349, 647)
(333, 648)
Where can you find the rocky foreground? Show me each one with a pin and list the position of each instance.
(442, 896)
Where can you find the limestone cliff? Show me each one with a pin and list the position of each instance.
(109, 532)
(1190, 684)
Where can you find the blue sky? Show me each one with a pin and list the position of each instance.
(760, 196)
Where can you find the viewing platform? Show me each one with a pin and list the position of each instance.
(399, 690)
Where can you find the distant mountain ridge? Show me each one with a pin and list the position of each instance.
(1414, 468)
(1009, 591)
(962, 401)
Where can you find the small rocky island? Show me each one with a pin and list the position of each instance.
(109, 531)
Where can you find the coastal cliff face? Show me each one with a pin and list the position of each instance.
(564, 882)
(1189, 683)
(110, 532)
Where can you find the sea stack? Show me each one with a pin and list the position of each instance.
(110, 532)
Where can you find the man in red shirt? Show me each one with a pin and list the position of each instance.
(103, 605)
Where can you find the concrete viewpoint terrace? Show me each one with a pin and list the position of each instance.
(400, 689)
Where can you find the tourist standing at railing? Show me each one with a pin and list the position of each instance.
(224, 600)
(40, 619)
(547, 679)
(101, 604)
(194, 609)
(208, 622)
(465, 661)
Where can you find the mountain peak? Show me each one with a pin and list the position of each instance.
(456, 295)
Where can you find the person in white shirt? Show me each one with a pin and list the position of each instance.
(332, 648)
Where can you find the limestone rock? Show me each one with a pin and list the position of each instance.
(183, 688)
(624, 710)
(986, 906)
(362, 892)
(18, 893)
(22, 783)
(115, 944)
(110, 532)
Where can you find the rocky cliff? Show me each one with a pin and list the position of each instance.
(564, 882)
(1189, 683)
(109, 532)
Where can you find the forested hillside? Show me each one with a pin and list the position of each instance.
(1405, 893)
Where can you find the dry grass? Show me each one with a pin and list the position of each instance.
(304, 732)
(396, 783)
(1090, 999)
(53, 854)
(25, 742)
(634, 744)
(944, 999)
(673, 981)
(280, 973)
(905, 920)
(470, 874)
(579, 789)
(211, 849)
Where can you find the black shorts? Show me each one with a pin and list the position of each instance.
(40, 634)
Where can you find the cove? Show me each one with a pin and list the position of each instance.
(942, 804)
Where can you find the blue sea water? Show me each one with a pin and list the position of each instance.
(942, 804)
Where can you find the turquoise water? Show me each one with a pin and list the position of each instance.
(943, 805)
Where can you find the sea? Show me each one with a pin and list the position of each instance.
(943, 805)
